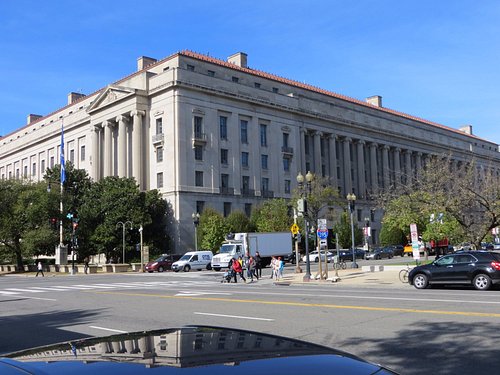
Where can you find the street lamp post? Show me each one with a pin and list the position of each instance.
(124, 224)
(142, 254)
(305, 193)
(351, 199)
(367, 233)
(196, 222)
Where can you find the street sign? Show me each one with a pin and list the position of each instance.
(323, 234)
(322, 224)
(294, 229)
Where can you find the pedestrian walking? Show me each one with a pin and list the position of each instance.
(238, 270)
(280, 266)
(258, 265)
(273, 267)
(86, 265)
(251, 268)
(39, 268)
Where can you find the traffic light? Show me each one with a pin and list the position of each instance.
(53, 222)
(302, 206)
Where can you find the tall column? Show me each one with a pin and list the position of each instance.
(137, 147)
(303, 151)
(418, 163)
(397, 166)
(347, 166)
(408, 171)
(108, 152)
(332, 148)
(373, 168)
(122, 145)
(317, 153)
(96, 158)
(361, 169)
(385, 166)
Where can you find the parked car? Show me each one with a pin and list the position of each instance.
(196, 260)
(314, 256)
(397, 250)
(478, 268)
(163, 263)
(346, 254)
(379, 253)
(290, 258)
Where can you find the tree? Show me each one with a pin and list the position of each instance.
(343, 228)
(238, 222)
(212, 229)
(465, 197)
(272, 216)
(392, 236)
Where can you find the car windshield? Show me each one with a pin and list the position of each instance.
(160, 259)
(226, 249)
(186, 257)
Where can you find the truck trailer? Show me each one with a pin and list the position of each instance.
(278, 244)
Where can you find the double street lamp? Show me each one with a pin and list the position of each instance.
(305, 193)
(351, 199)
(196, 222)
(124, 224)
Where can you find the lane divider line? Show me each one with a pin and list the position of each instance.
(234, 316)
(108, 329)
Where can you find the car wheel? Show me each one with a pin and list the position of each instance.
(377, 257)
(217, 269)
(482, 282)
(209, 266)
(316, 260)
(420, 281)
(186, 268)
(160, 269)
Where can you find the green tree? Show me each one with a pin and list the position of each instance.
(392, 236)
(343, 228)
(212, 229)
(272, 216)
(238, 222)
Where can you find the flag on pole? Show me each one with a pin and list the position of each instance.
(63, 166)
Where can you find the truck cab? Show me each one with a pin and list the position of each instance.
(228, 250)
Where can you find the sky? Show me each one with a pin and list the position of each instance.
(438, 60)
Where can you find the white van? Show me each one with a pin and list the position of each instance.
(196, 260)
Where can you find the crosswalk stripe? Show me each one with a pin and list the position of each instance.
(8, 293)
(24, 290)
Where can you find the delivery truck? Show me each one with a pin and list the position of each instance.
(277, 244)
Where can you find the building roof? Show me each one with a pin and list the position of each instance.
(265, 75)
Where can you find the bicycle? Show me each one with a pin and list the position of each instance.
(340, 265)
(403, 274)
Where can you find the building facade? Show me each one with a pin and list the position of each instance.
(207, 132)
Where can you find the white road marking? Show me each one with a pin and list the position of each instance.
(25, 290)
(234, 316)
(108, 329)
(199, 293)
(8, 293)
(42, 299)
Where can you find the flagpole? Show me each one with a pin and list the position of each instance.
(63, 178)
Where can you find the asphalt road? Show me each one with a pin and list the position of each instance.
(438, 331)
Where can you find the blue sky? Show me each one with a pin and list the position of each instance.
(438, 60)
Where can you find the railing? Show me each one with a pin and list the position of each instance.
(226, 190)
(287, 150)
(157, 138)
(199, 138)
(267, 194)
(248, 192)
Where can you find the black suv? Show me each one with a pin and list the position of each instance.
(479, 268)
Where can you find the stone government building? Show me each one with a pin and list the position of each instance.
(207, 132)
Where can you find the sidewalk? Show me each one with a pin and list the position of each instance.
(365, 277)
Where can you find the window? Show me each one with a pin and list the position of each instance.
(82, 153)
(200, 205)
(244, 159)
(223, 156)
(286, 164)
(224, 180)
(25, 174)
(190, 67)
(263, 161)
(42, 167)
(244, 131)
(159, 180)
(287, 186)
(159, 154)
(17, 173)
(359, 214)
(265, 184)
(198, 178)
(223, 127)
(263, 135)
(257, 85)
(248, 209)
(286, 138)
(159, 126)
(211, 73)
(275, 90)
(245, 183)
(235, 79)
(33, 169)
(227, 209)
(198, 152)
(51, 162)
(198, 127)
(72, 156)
